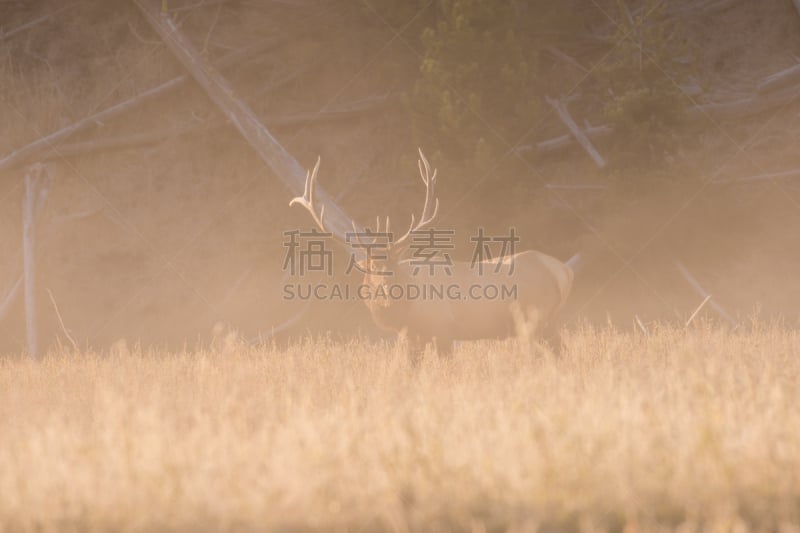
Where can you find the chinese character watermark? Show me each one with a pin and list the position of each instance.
(482, 251)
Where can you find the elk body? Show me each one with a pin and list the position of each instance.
(457, 301)
(469, 305)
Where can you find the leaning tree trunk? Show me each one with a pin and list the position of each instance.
(239, 113)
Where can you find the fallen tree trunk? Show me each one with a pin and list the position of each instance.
(26, 153)
(735, 109)
(122, 142)
(746, 107)
(561, 109)
(119, 142)
(551, 145)
(671, 10)
(774, 91)
(28, 25)
(780, 79)
(767, 176)
(239, 113)
(142, 139)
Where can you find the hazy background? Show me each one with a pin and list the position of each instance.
(184, 231)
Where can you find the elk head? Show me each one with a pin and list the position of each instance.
(380, 254)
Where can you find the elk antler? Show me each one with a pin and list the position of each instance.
(429, 210)
(307, 200)
(428, 214)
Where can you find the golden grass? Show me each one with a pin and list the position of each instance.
(685, 429)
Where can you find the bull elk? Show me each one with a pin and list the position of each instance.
(537, 283)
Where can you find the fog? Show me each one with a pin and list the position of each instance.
(163, 225)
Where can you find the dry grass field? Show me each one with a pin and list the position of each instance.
(685, 429)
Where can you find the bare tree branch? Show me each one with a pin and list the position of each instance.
(61, 322)
(27, 152)
(28, 25)
(697, 310)
(569, 122)
(704, 293)
(5, 306)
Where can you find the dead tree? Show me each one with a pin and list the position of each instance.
(239, 113)
(33, 204)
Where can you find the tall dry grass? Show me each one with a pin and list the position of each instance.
(691, 430)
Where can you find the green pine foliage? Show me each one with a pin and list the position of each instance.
(644, 101)
(476, 86)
